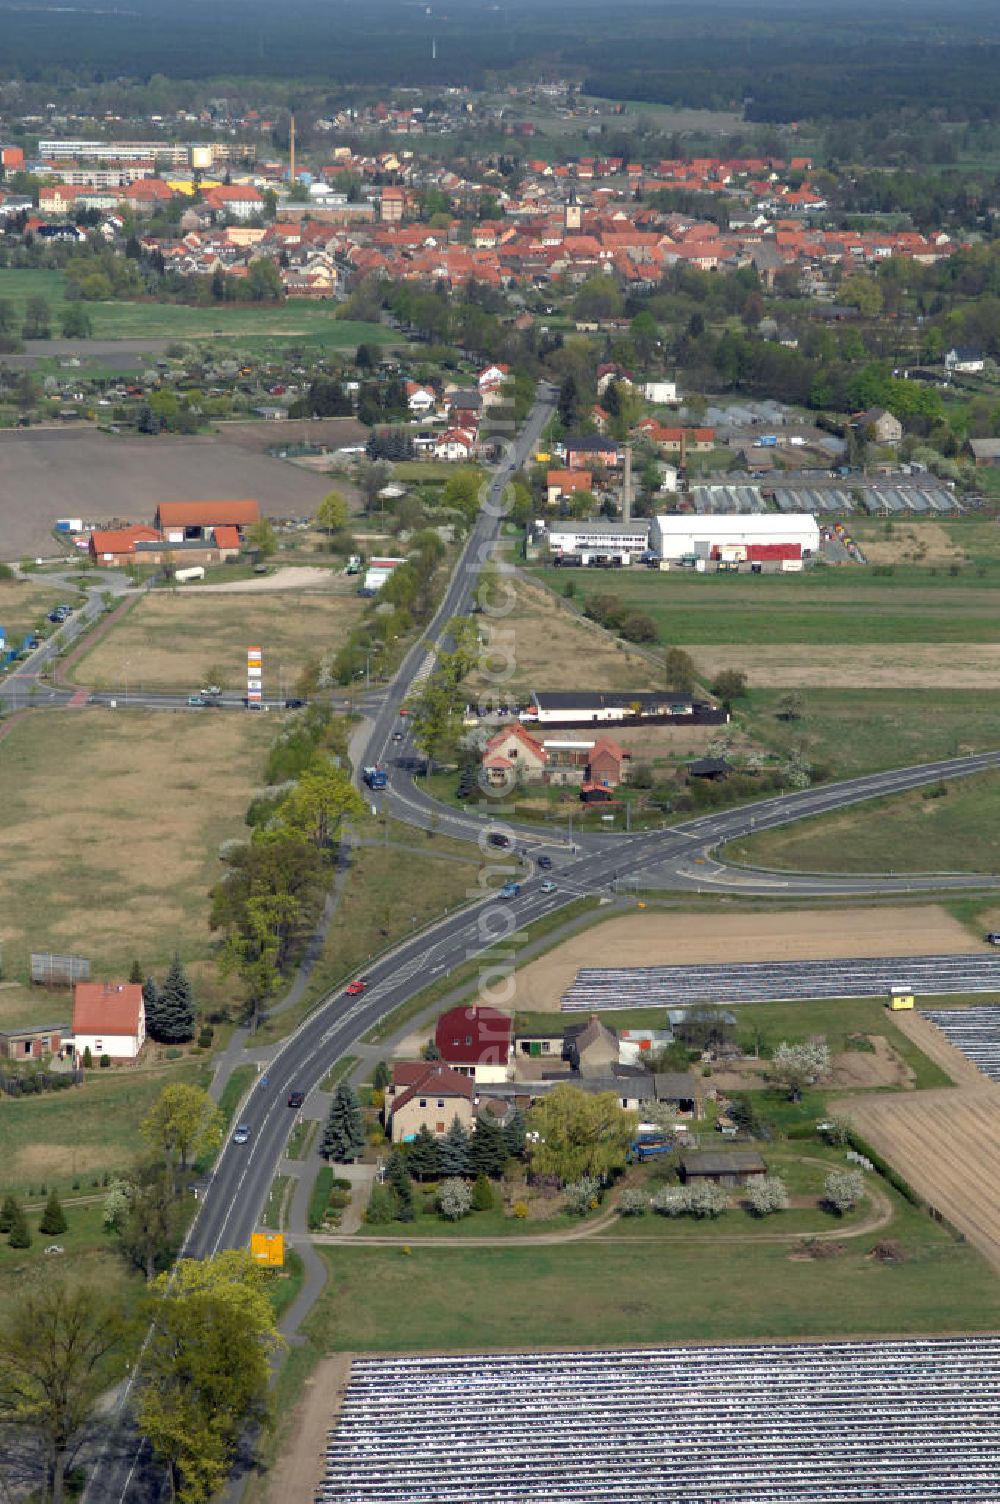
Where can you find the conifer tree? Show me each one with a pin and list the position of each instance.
(174, 1011)
(514, 1134)
(53, 1217)
(453, 1151)
(488, 1149)
(19, 1235)
(135, 975)
(8, 1213)
(344, 1134)
(424, 1157)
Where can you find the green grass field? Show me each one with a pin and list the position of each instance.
(63, 1137)
(823, 608)
(90, 1256)
(854, 731)
(912, 832)
(315, 321)
(621, 1292)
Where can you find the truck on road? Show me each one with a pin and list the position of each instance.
(376, 778)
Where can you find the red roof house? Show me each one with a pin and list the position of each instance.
(109, 1018)
(476, 1040)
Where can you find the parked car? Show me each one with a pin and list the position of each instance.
(296, 1098)
(242, 1133)
(993, 938)
(355, 988)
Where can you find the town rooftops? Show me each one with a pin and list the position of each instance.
(474, 1035)
(591, 443)
(207, 513)
(107, 1008)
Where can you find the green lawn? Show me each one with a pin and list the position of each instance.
(854, 731)
(70, 1139)
(91, 1257)
(598, 1292)
(912, 832)
(315, 322)
(821, 608)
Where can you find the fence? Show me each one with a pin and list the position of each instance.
(50, 970)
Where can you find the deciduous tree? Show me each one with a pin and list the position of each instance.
(183, 1123)
(580, 1134)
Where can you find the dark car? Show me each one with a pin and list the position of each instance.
(497, 838)
(993, 938)
(545, 862)
(296, 1098)
(294, 703)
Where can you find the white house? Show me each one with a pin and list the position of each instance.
(660, 392)
(421, 400)
(965, 359)
(492, 378)
(456, 444)
(109, 1018)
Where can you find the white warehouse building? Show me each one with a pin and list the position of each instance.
(624, 541)
(705, 536)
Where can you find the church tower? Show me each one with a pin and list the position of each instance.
(574, 214)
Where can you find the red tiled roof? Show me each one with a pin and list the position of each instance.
(474, 1035)
(107, 1008)
(122, 540)
(207, 513)
(428, 1078)
(227, 537)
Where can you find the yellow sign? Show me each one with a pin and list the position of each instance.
(268, 1248)
(900, 1001)
(542, 457)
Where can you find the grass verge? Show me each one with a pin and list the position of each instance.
(338, 1071)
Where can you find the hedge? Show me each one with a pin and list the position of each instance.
(319, 1200)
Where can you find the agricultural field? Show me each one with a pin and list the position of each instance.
(658, 938)
(828, 609)
(185, 638)
(947, 827)
(50, 473)
(112, 825)
(710, 1288)
(178, 321)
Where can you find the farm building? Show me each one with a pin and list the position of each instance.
(109, 1018)
(117, 545)
(724, 1166)
(738, 536)
(32, 1043)
(186, 521)
(567, 707)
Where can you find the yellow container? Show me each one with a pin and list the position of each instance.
(268, 1249)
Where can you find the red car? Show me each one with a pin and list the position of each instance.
(353, 988)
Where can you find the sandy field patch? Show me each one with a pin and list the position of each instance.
(180, 641)
(549, 647)
(289, 577)
(112, 826)
(914, 543)
(946, 1144)
(298, 1473)
(853, 1070)
(650, 938)
(912, 665)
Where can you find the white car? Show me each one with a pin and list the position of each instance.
(242, 1134)
(548, 886)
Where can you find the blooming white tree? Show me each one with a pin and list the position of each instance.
(797, 1066)
(454, 1199)
(843, 1189)
(766, 1194)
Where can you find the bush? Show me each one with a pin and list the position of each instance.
(105, 1062)
(520, 1210)
(632, 1204)
(702, 1200)
(454, 1199)
(889, 1251)
(381, 1206)
(88, 1059)
(583, 1195)
(205, 1036)
(482, 1195)
(670, 1201)
(172, 1054)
